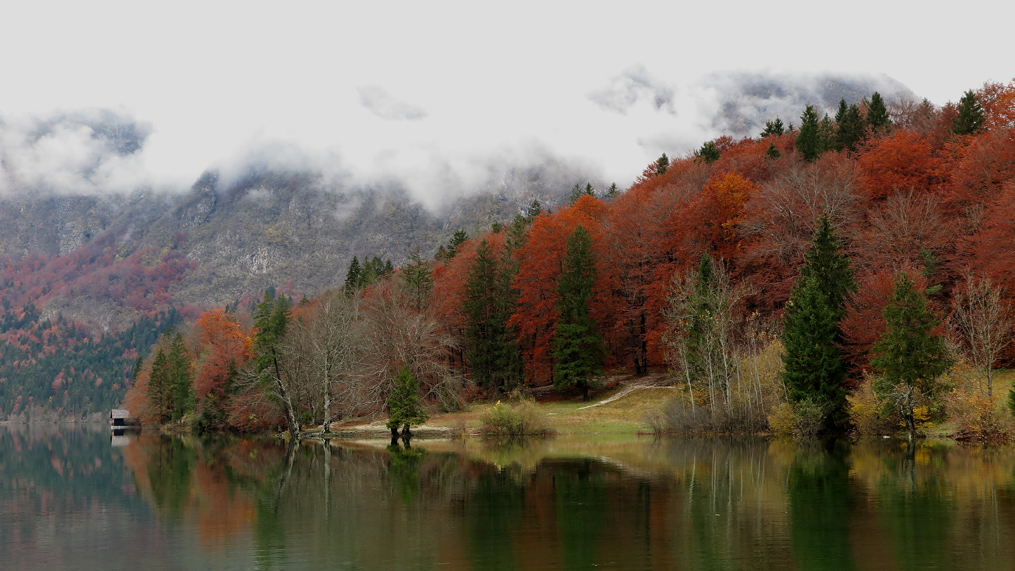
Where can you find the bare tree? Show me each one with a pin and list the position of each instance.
(322, 353)
(703, 321)
(984, 324)
(397, 336)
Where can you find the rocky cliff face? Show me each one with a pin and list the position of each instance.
(263, 231)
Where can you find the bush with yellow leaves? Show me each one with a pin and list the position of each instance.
(512, 421)
(979, 416)
(871, 413)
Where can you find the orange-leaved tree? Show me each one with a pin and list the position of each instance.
(540, 262)
(224, 348)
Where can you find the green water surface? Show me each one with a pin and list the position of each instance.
(77, 498)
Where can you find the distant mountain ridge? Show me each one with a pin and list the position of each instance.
(263, 231)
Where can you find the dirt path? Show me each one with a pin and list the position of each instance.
(628, 389)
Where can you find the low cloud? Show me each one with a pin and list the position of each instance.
(633, 86)
(739, 104)
(384, 105)
(89, 151)
(629, 123)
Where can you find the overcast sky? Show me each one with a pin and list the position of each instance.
(419, 90)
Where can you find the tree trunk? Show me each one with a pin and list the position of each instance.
(907, 414)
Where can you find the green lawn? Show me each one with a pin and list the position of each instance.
(623, 417)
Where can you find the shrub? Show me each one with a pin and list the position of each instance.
(745, 408)
(810, 417)
(871, 413)
(522, 419)
(805, 418)
(979, 417)
(782, 421)
(676, 416)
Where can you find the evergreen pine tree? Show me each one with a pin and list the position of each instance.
(827, 265)
(138, 364)
(178, 368)
(813, 369)
(404, 406)
(417, 280)
(812, 364)
(159, 389)
(773, 128)
(457, 239)
(509, 364)
(577, 347)
(353, 277)
(808, 141)
(877, 115)
(840, 114)
(851, 129)
(662, 164)
(909, 355)
(826, 134)
(579, 191)
(489, 301)
(612, 192)
(708, 153)
(702, 306)
(271, 320)
(535, 209)
(482, 337)
(772, 152)
(970, 115)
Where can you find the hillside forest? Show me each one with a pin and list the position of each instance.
(846, 270)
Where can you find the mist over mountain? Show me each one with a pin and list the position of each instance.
(745, 101)
(75, 184)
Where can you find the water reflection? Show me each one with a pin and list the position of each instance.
(72, 498)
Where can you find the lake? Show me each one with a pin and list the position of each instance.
(77, 498)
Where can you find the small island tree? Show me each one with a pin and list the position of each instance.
(404, 406)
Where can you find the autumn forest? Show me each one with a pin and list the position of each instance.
(841, 271)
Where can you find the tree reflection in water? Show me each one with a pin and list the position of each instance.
(688, 503)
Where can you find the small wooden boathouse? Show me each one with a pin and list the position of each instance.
(118, 417)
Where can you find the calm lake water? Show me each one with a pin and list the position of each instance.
(73, 498)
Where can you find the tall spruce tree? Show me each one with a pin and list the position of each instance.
(773, 128)
(510, 358)
(577, 347)
(826, 134)
(160, 391)
(878, 118)
(812, 364)
(970, 115)
(827, 264)
(809, 141)
(178, 368)
(813, 369)
(353, 277)
(909, 356)
(457, 239)
(483, 331)
(489, 301)
(840, 113)
(851, 129)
